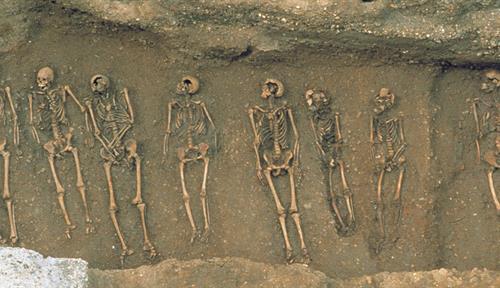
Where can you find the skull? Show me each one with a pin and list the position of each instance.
(99, 84)
(272, 87)
(44, 78)
(189, 85)
(493, 81)
(493, 75)
(316, 98)
(384, 100)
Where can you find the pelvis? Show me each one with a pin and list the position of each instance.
(278, 163)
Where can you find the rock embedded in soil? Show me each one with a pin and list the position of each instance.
(21, 267)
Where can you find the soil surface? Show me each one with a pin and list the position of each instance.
(448, 219)
(416, 31)
(237, 272)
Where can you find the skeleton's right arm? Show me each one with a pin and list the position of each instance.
(15, 128)
(476, 118)
(34, 132)
(90, 112)
(373, 134)
(316, 138)
(372, 131)
(256, 142)
(168, 127)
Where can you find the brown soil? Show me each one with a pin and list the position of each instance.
(451, 224)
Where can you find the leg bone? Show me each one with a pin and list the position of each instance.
(396, 208)
(187, 205)
(148, 245)
(380, 212)
(60, 196)
(397, 195)
(294, 211)
(281, 215)
(492, 189)
(113, 209)
(203, 198)
(333, 201)
(7, 198)
(347, 193)
(81, 188)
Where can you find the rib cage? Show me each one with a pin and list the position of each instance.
(190, 118)
(391, 137)
(52, 112)
(387, 132)
(113, 116)
(326, 130)
(325, 126)
(269, 133)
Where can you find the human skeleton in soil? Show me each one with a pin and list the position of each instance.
(7, 107)
(189, 120)
(388, 145)
(486, 111)
(328, 139)
(47, 114)
(275, 157)
(110, 116)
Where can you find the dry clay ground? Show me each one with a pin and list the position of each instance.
(454, 225)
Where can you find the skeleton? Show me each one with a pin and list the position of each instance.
(328, 139)
(486, 111)
(7, 198)
(388, 146)
(270, 126)
(111, 119)
(191, 120)
(49, 115)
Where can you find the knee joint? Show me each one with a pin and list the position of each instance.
(281, 212)
(113, 209)
(293, 209)
(185, 197)
(347, 192)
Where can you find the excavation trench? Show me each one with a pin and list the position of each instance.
(448, 219)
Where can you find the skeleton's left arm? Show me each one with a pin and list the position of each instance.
(402, 140)
(129, 106)
(15, 126)
(70, 93)
(207, 114)
(296, 146)
(401, 130)
(337, 128)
